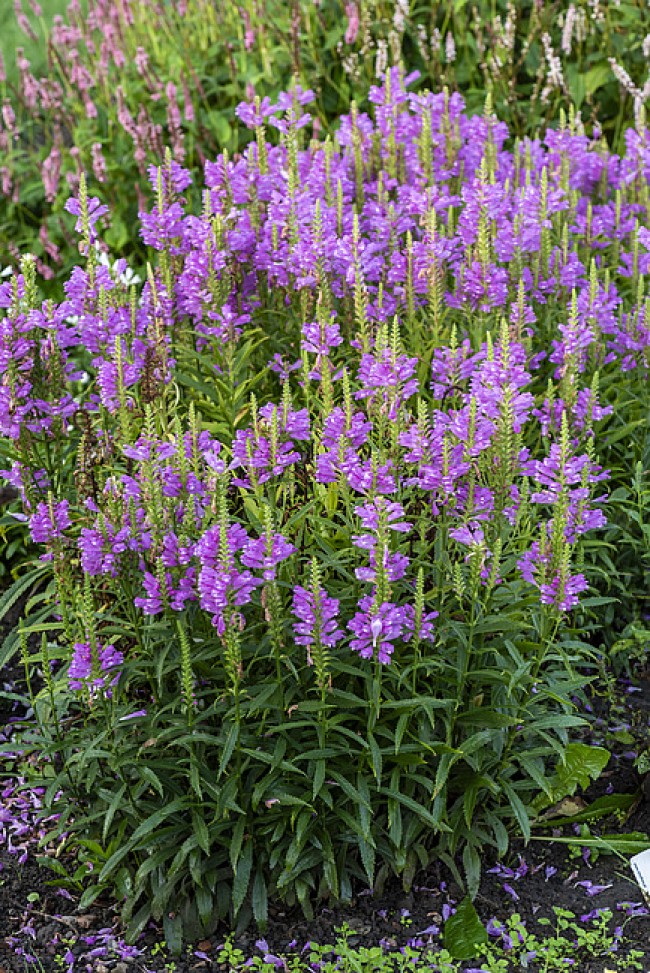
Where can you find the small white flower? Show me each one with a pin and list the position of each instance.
(381, 61)
(128, 277)
(450, 48)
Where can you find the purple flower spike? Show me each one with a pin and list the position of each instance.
(257, 554)
(376, 631)
(318, 615)
(45, 525)
(81, 666)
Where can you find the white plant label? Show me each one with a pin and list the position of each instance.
(640, 865)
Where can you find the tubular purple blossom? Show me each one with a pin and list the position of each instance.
(375, 629)
(318, 615)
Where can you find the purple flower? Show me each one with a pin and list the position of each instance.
(424, 629)
(277, 364)
(95, 211)
(99, 664)
(556, 586)
(265, 554)
(387, 379)
(152, 604)
(137, 714)
(368, 476)
(291, 423)
(221, 589)
(47, 522)
(268, 449)
(174, 177)
(495, 928)
(590, 916)
(469, 534)
(163, 230)
(222, 585)
(320, 338)
(337, 427)
(317, 614)
(633, 910)
(376, 629)
(380, 509)
(393, 565)
(253, 115)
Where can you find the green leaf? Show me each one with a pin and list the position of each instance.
(596, 77)
(150, 824)
(351, 792)
(417, 809)
(173, 929)
(622, 845)
(464, 932)
(368, 858)
(401, 729)
(582, 764)
(89, 896)
(11, 644)
(110, 814)
(231, 740)
(518, 809)
(472, 866)
(319, 779)
(204, 904)
(242, 877)
(200, 829)
(236, 842)
(139, 921)
(577, 88)
(376, 758)
(19, 587)
(260, 900)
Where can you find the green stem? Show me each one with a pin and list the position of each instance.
(546, 642)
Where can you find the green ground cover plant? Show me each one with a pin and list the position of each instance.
(559, 944)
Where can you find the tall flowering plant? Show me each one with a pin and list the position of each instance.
(316, 501)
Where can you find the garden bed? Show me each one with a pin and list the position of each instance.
(41, 923)
(326, 488)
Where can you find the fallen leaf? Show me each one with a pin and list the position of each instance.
(565, 809)
(84, 922)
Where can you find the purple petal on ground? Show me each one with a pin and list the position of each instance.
(590, 916)
(592, 889)
(633, 910)
(494, 927)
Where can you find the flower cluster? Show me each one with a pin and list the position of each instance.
(461, 226)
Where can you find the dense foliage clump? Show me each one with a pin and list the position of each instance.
(323, 503)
